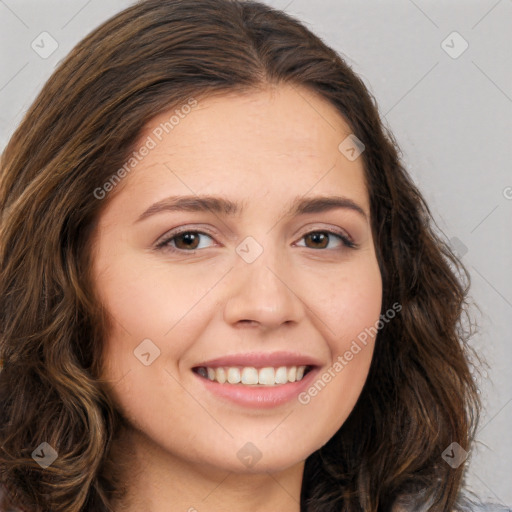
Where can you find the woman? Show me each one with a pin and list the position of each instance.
(219, 287)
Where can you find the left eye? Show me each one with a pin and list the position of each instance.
(190, 241)
(320, 238)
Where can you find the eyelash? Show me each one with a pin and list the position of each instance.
(163, 245)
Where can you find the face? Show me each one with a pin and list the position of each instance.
(264, 282)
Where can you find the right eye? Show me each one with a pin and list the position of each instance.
(186, 241)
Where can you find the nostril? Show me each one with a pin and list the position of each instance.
(248, 322)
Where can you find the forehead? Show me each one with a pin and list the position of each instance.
(278, 141)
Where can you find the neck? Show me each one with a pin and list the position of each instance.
(161, 482)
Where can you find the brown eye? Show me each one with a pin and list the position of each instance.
(189, 240)
(186, 241)
(322, 239)
(319, 239)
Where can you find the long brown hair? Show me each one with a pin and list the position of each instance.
(419, 396)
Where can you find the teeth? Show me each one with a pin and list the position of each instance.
(249, 376)
(281, 375)
(252, 376)
(219, 375)
(233, 375)
(266, 376)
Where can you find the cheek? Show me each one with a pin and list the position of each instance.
(148, 299)
(348, 302)
(157, 315)
(349, 308)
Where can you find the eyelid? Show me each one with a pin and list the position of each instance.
(346, 240)
(180, 230)
(330, 229)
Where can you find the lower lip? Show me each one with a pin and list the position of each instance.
(259, 397)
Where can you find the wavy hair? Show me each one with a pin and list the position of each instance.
(419, 396)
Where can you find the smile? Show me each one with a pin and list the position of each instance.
(251, 376)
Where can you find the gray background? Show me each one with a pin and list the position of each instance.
(451, 117)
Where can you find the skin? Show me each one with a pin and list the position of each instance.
(263, 149)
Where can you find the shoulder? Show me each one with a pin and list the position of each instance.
(466, 504)
(485, 507)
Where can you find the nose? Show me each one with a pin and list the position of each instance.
(261, 294)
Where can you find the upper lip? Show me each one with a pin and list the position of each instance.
(261, 360)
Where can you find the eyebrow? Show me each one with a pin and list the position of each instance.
(300, 206)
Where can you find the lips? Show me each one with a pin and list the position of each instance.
(257, 369)
(270, 367)
(261, 360)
